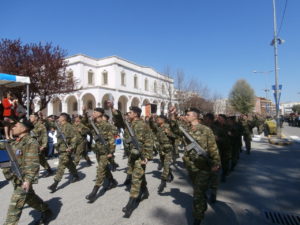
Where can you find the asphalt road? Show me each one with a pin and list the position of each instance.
(267, 179)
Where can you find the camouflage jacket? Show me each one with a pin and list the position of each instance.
(27, 153)
(143, 134)
(39, 132)
(82, 132)
(221, 133)
(206, 139)
(164, 135)
(105, 128)
(71, 137)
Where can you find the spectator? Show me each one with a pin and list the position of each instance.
(51, 142)
(9, 104)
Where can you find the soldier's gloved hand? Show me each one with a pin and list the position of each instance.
(109, 156)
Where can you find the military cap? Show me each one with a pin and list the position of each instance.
(101, 110)
(192, 109)
(67, 116)
(26, 123)
(136, 109)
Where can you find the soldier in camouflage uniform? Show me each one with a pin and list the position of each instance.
(65, 148)
(199, 167)
(26, 149)
(235, 139)
(103, 153)
(39, 132)
(81, 149)
(164, 135)
(137, 161)
(246, 131)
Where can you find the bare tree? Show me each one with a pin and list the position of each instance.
(43, 63)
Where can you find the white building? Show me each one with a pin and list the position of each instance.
(129, 84)
(286, 108)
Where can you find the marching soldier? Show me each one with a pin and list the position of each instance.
(66, 142)
(247, 131)
(81, 149)
(164, 136)
(26, 150)
(138, 158)
(103, 153)
(39, 132)
(200, 168)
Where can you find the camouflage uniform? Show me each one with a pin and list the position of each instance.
(81, 149)
(102, 151)
(65, 158)
(245, 123)
(39, 132)
(135, 167)
(199, 168)
(27, 153)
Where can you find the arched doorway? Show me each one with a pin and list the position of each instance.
(89, 102)
(122, 104)
(72, 105)
(57, 106)
(135, 102)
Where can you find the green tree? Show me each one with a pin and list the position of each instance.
(242, 97)
(296, 108)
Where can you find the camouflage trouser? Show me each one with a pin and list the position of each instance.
(214, 182)
(200, 182)
(102, 170)
(17, 202)
(43, 161)
(225, 155)
(247, 140)
(138, 181)
(64, 160)
(81, 152)
(176, 146)
(235, 151)
(166, 159)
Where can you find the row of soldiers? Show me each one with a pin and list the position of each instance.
(219, 138)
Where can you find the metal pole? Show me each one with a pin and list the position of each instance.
(275, 42)
(27, 102)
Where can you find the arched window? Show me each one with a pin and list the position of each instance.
(155, 87)
(146, 84)
(135, 82)
(90, 77)
(104, 78)
(123, 78)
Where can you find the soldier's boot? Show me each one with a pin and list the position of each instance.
(112, 184)
(53, 186)
(45, 218)
(223, 177)
(89, 162)
(159, 167)
(127, 180)
(75, 178)
(232, 166)
(213, 198)
(248, 151)
(170, 177)
(92, 196)
(131, 205)
(197, 222)
(162, 186)
(114, 166)
(144, 194)
(49, 172)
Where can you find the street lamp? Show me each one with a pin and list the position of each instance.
(275, 43)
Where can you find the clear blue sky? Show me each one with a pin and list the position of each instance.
(214, 41)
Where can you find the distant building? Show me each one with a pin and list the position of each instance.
(129, 84)
(220, 106)
(286, 108)
(264, 106)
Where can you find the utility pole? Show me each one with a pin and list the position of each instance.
(275, 45)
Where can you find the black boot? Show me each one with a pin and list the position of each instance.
(170, 177)
(112, 184)
(144, 194)
(48, 173)
(53, 186)
(75, 178)
(197, 222)
(131, 205)
(213, 198)
(162, 186)
(92, 196)
(159, 167)
(89, 162)
(128, 180)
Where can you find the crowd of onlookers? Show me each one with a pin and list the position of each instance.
(293, 119)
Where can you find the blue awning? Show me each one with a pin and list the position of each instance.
(9, 80)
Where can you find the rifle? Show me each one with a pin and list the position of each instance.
(61, 134)
(133, 140)
(14, 165)
(99, 136)
(193, 145)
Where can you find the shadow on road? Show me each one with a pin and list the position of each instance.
(3, 183)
